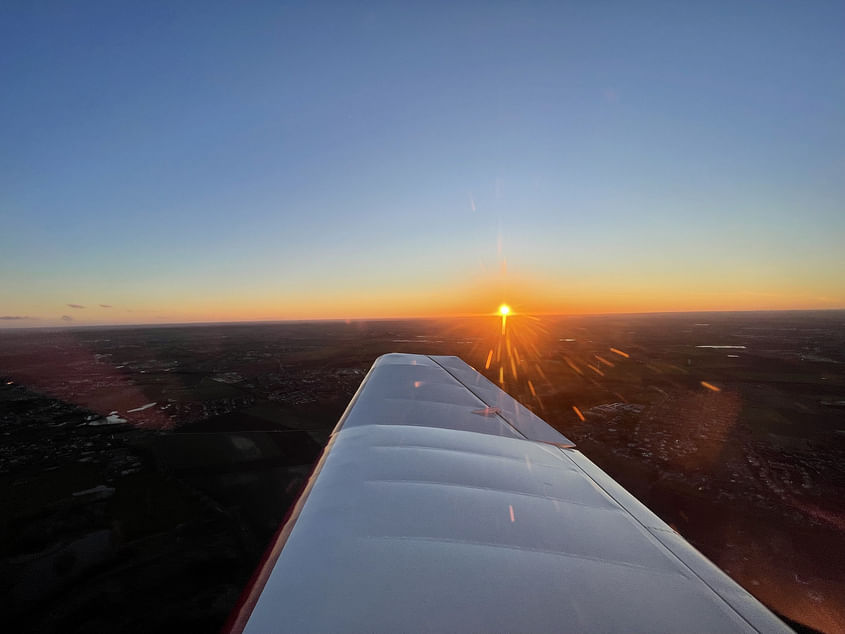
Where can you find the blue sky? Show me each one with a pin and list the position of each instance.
(272, 160)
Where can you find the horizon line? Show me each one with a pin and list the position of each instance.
(76, 326)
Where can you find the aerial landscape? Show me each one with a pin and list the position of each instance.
(215, 219)
(138, 462)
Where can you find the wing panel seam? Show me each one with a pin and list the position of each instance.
(544, 551)
(478, 396)
(471, 487)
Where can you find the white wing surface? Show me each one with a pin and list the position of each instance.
(441, 504)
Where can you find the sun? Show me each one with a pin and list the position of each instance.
(504, 311)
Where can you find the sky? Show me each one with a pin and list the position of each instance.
(167, 162)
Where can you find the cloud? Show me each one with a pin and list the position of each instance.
(105, 305)
(67, 318)
(14, 317)
(76, 305)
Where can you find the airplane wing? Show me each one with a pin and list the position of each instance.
(442, 504)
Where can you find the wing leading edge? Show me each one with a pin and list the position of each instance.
(442, 504)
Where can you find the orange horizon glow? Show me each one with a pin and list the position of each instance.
(527, 295)
(138, 317)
